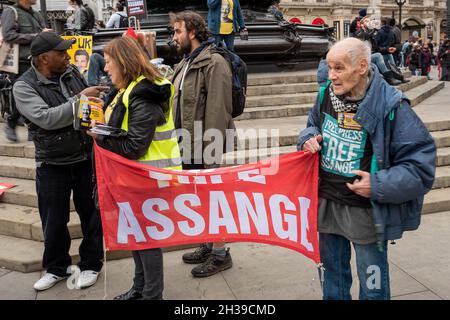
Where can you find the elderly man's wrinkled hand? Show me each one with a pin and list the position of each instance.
(361, 186)
(313, 145)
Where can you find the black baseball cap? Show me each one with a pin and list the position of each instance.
(48, 41)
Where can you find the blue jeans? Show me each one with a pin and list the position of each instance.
(371, 263)
(227, 38)
(377, 59)
(96, 69)
(389, 58)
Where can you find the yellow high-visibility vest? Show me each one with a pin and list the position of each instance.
(164, 151)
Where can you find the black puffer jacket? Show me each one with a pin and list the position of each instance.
(147, 103)
(444, 56)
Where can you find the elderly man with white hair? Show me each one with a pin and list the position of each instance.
(377, 160)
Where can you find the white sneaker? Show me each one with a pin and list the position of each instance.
(87, 278)
(47, 281)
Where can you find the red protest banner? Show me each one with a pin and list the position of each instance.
(272, 201)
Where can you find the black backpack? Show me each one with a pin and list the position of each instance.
(239, 74)
(123, 22)
(90, 17)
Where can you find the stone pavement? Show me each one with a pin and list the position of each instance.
(419, 265)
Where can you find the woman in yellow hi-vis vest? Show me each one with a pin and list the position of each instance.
(142, 107)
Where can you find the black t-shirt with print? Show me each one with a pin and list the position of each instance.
(345, 147)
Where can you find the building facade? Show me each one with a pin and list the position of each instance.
(57, 9)
(427, 17)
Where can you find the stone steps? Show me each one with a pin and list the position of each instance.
(16, 167)
(278, 89)
(441, 138)
(289, 77)
(292, 88)
(25, 223)
(422, 92)
(275, 112)
(282, 99)
(281, 78)
(263, 106)
(23, 194)
(302, 109)
(26, 255)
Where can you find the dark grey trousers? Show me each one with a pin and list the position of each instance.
(148, 274)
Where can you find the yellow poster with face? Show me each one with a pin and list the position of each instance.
(80, 52)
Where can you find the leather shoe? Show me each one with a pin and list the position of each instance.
(131, 294)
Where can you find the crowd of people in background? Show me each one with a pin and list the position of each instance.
(416, 54)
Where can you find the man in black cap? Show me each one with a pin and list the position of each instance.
(45, 96)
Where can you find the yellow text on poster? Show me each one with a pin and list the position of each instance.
(80, 52)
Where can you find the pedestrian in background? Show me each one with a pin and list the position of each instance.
(224, 20)
(426, 60)
(20, 24)
(444, 59)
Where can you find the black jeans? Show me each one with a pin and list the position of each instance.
(54, 185)
(148, 274)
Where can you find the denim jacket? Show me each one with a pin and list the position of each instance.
(405, 155)
(214, 7)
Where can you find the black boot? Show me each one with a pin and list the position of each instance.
(131, 294)
(397, 74)
(390, 79)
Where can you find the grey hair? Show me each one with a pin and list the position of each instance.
(363, 52)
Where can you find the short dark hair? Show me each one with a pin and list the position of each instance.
(81, 52)
(392, 22)
(120, 6)
(193, 22)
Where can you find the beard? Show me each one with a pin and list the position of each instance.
(185, 47)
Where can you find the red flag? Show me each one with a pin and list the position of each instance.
(5, 186)
(131, 33)
(272, 201)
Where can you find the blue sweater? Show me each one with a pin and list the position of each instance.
(214, 11)
(405, 156)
